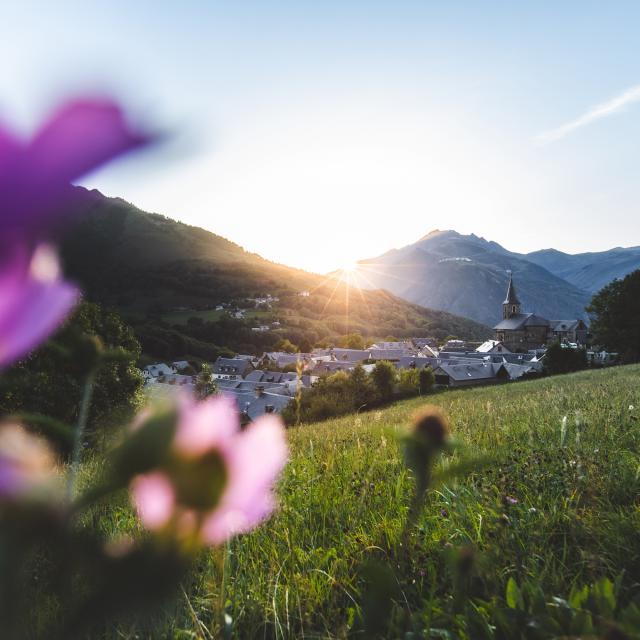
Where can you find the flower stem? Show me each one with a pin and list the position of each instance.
(81, 425)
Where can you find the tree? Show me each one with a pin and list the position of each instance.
(285, 345)
(352, 341)
(559, 359)
(359, 387)
(409, 381)
(384, 379)
(205, 384)
(614, 312)
(426, 380)
(51, 380)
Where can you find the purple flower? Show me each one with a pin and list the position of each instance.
(35, 175)
(217, 481)
(35, 196)
(34, 300)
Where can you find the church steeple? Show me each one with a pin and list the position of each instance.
(511, 304)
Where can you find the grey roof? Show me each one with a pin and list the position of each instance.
(515, 371)
(480, 371)
(512, 297)
(565, 325)
(490, 345)
(350, 355)
(233, 366)
(418, 362)
(520, 320)
(254, 406)
(389, 354)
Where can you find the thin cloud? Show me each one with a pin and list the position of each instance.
(603, 110)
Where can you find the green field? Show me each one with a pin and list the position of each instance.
(344, 500)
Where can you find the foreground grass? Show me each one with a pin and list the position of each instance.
(344, 498)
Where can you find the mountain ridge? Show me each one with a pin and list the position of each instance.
(467, 275)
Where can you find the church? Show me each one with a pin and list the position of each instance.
(521, 332)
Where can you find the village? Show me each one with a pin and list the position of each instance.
(268, 383)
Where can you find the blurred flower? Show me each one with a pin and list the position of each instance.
(35, 175)
(36, 195)
(431, 427)
(26, 462)
(216, 480)
(34, 300)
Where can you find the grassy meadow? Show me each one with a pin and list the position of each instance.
(556, 507)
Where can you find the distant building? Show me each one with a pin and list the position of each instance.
(492, 346)
(520, 332)
(230, 368)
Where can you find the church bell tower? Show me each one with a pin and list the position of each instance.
(511, 304)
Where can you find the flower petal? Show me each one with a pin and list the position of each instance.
(32, 306)
(203, 426)
(254, 463)
(154, 499)
(80, 137)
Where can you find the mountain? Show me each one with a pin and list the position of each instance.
(588, 271)
(467, 275)
(153, 269)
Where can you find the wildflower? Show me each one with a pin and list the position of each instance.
(510, 500)
(34, 300)
(428, 438)
(631, 407)
(444, 513)
(35, 175)
(216, 480)
(36, 194)
(26, 463)
(431, 427)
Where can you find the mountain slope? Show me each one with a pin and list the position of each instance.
(588, 271)
(146, 265)
(467, 275)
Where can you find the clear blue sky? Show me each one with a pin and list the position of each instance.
(317, 133)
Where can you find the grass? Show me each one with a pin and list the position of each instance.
(344, 500)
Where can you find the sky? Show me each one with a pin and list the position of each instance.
(319, 133)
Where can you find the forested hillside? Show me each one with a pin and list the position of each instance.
(148, 267)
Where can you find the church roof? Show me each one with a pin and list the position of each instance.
(519, 320)
(512, 297)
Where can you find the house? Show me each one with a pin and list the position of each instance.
(254, 404)
(520, 332)
(281, 359)
(180, 365)
(333, 366)
(230, 368)
(415, 362)
(352, 356)
(392, 355)
(492, 346)
(569, 331)
(466, 375)
(156, 370)
(404, 344)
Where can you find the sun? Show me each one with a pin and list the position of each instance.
(349, 268)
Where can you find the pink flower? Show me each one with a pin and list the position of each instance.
(34, 300)
(35, 175)
(217, 480)
(26, 463)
